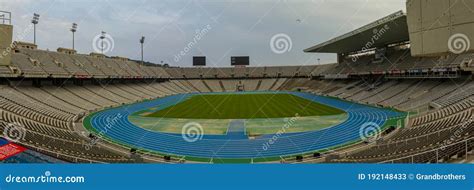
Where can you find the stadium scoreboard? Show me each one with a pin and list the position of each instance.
(240, 60)
(199, 61)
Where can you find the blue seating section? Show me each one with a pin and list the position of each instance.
(3, 141)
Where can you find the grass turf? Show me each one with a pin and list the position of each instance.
(245, 106)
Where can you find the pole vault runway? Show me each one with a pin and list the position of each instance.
(236, 147)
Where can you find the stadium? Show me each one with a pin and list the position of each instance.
(401, 91)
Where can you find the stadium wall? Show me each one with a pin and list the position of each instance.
(6, 32)
(439, 27)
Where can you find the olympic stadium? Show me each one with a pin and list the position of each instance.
(401, 91)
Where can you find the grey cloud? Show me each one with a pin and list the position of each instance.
(238, 27)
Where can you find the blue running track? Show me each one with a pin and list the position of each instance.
(218, 146)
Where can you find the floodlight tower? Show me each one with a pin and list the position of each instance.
(35, 21)
(73, 30)
(102, 37)
(142, 41)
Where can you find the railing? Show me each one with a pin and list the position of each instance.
(453, 148)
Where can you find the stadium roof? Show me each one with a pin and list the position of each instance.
(388, 30)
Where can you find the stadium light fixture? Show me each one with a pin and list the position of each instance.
(102, 37)
(35, 21)
(73, 30)
(142, 41)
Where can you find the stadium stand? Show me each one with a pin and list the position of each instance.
(49, 114)
(433, 140)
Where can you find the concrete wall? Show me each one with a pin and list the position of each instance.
(6, 32)
(435, 24)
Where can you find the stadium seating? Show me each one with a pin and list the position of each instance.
(429, 132)
(50, 111)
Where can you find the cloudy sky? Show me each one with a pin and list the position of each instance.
(176, 30)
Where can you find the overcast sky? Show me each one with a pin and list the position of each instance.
(176, 30)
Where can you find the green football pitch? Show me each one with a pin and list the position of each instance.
(245, 106)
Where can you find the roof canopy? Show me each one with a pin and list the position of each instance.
(388, 30)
